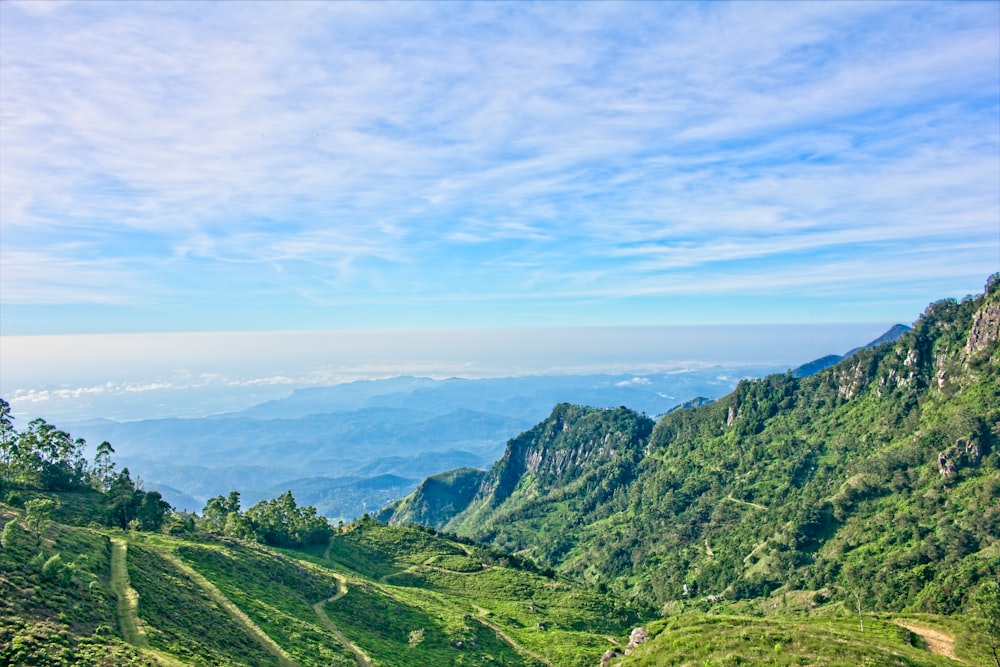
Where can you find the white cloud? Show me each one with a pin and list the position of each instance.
(636, 381)
(437, 152)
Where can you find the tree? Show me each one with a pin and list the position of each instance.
(131, 508)
(854, 582)
(47, 457)
(8, 440)
(987, 604)
(123, 500)
(11, 534)
(38, 511)
(151, 510)
(280, 522)
(217, 511)
(104, 467)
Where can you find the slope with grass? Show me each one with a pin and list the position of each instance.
(417, 598)
(741, 640)
(56, 602)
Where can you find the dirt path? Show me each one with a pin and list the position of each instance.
(359, 655)
(128, 605)
(128, 598)
(937, 641)
(362, 659)
(481, 617)
(238, 614)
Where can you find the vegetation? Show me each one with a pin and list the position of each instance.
(877, 479)
(56, 607)
(279, 522)
(740, 640)
(849, 517)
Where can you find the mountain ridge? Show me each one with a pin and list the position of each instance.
(769, 485)
(816, 365)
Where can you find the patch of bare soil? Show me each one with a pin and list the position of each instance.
(937, 641)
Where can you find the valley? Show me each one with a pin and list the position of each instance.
(847, 517)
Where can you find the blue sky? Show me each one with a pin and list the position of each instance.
(231, 166)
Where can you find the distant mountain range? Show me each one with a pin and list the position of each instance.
(816, 365)
(407, 427)
(346, 438)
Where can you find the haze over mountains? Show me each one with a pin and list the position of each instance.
(354, 447)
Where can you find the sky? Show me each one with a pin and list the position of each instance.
(236, 166)
(187, 169)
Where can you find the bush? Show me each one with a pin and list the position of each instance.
(53, 568)
(11, 534)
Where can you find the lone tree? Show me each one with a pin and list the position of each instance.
(987, 604)
(854, 583)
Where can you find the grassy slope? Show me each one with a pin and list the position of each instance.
(64, 618)
(741, 640)
(463, 599)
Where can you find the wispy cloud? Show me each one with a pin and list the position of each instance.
(298, 156)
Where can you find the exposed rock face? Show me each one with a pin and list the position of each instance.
(636, 639)
(985, 329)
(561, 447)
(608, 656)
(962, 453)
(851, 379)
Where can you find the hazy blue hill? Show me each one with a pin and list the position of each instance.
(408, 426)
(179, 500)
(695, 402)
(890, 336)
(338, 497)
(339, 398)
(816, 365)
(424, 464)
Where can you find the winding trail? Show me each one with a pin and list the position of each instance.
(128, 598)
(238, 614)
(127, 607)
(481, 613)
(362, 659)
(480, 616)
(937, 642)
(359, 656)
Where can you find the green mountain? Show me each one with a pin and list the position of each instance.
(437, 500)
(850, 517)
(880, 474)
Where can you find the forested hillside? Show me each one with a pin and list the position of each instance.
(849, 517)
(879, 475)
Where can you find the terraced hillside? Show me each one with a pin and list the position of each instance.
(375, 595)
